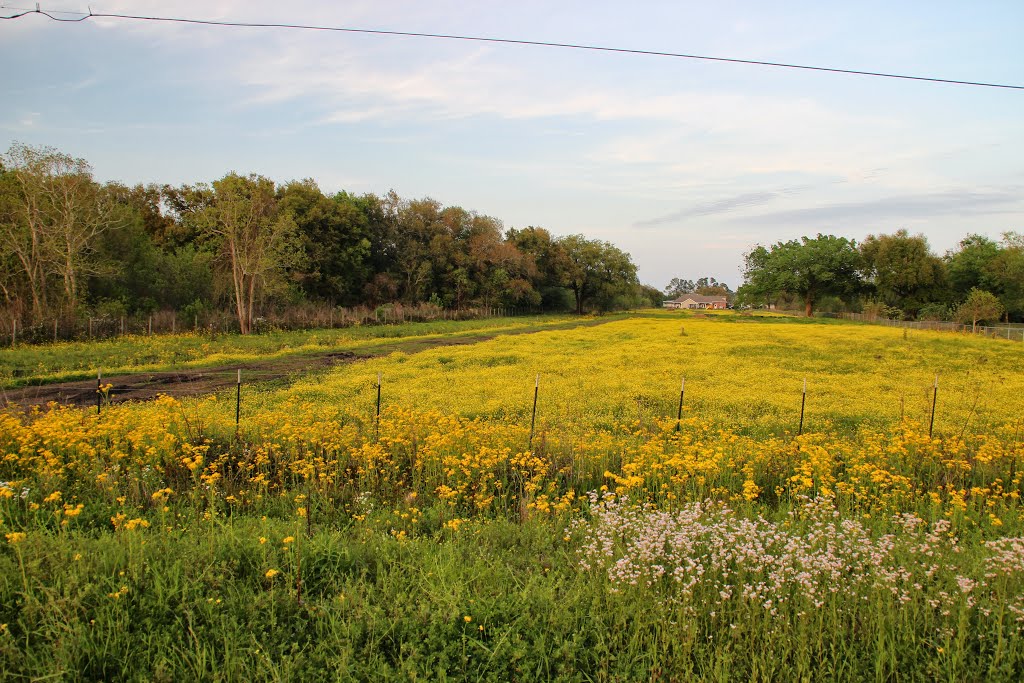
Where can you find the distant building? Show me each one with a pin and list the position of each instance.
(696, 301)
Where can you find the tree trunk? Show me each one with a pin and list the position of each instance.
(252, 302)
(809, 306)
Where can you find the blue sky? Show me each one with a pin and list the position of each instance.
(684, 164)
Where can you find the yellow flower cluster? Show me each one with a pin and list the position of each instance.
(455, 427)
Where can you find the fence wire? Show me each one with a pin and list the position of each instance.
(1009, 332)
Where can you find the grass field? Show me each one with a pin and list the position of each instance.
(63, 361)
(315, 542)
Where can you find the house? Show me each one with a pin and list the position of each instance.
(698, 301)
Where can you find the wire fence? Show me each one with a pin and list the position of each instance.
(14, 331)
(1009, 332)
(246, 382)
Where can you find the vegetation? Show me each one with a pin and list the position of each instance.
(809, 268)
(979, 305)
(71, 247)
(893, 276)
(47, 363)
(617, 543)
(705, 286)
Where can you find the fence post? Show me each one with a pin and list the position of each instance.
(935, 398)
(803, 402)
(150, 325)
(533, 417)
(679, 414)
(376, 427)
(90, 328)
(14, 331)
(99, 390)
(54, 330)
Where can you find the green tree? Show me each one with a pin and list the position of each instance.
(598, 273)
(1005, 273)
(977, 307)
(678, 286)
(651, 296)
(548, 262)
(418, 223)
(902, 270)
(335, 239)
(709, 286)
(809, 268)
(257, 243)
(969, 266)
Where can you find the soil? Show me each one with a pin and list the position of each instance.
(149, 385)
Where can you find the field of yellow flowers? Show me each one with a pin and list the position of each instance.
(455, 534)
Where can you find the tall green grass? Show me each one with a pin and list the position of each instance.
(384, 598)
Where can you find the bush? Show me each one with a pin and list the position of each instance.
(935, 311)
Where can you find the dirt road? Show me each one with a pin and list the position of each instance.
(149, 385)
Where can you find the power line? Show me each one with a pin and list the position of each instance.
(506, 41)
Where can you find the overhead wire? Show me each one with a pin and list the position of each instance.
(506, 41)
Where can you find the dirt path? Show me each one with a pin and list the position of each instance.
(146, 386)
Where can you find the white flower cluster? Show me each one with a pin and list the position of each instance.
(705, 554)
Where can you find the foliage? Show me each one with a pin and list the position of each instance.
(246, 242)
(969, 265)
(256, 241)
(334, 234)
(51, 216)
(598, 273)
(935, 312)
(808, 268)
(979, 306)
(873, 310)
(902, 270)
(678, 286)
(705, 286)
(1006, 272)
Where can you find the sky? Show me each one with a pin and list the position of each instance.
(685, 164)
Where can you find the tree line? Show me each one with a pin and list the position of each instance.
(894, 276)
(71, 246)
